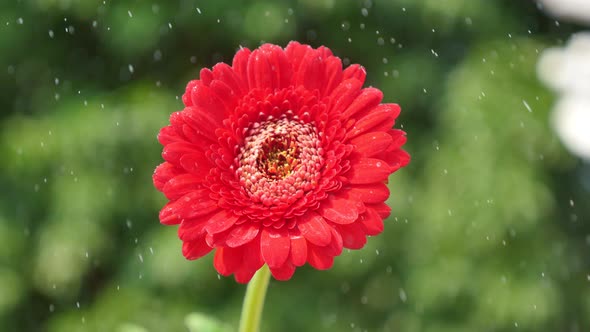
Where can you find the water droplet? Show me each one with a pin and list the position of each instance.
(527, 106)
(402, 295)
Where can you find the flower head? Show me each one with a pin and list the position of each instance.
(567, 71)
(279, 159)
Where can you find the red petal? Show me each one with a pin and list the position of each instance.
(370, 193)
(252, 255)
(259, 71)
(203, 121)
(243, 275)
(191, 205)
(206, 76)
(339, 210)
(225, 93)
(227, 260)
(333, 75)
(193, 229)
(217, 240)
(196, 136)
(195, 249)
(181, 185)
(372, 222)
(280, 65)
(163, 173)
(315, 229)
(168, 135)
(242, 234)
(196, 163)
(370, 144)
(240, 64)
(205, 99)
(186, 97)
(274, 245)
(368, 170)
(296, 52)
(225, 74)
(397, 159)
(381, 118)
(221, 221)
(335, 247)
(353, 236)
(398, 137)
(284, 272)
(356, 72)
(317, 257)
(344, 94)
(174, 151)
(269, 68)
(364, 103)
(298, 250)
(382, 209)
(311, 72)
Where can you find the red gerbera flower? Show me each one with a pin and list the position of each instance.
(280, 158)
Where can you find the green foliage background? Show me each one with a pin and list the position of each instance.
(489, 230)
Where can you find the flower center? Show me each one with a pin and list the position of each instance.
(278, 156)
(279, 161)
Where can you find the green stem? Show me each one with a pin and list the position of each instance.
(254, 301)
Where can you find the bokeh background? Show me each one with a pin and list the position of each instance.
(490, 225)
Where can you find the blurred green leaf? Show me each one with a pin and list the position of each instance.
(197, 322)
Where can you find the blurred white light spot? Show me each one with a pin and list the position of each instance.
(402, 295)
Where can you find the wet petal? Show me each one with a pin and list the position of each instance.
(195, 249)
(275, 245)
(364, 103)
(339, 210)
(315, 229)
(318, 258)
(284, 272)
(353, 236)
(368, 170)
(242, 234)
(227, 260)
(191, 205)
(181, 185)
(298, 250)
(370, 193)
(372, 143)
(372, 222)
(221, 221)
